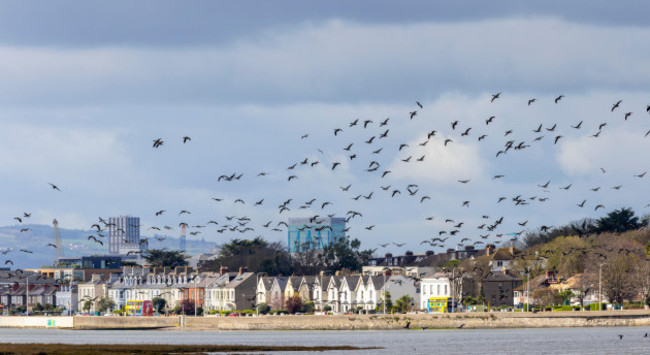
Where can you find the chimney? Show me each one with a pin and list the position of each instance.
(155, 270)
(429, 252)
(242, 269)
(186, 270)
(387, 272)
(388, 255)
(489, 249)
(512, 250)
(223, 270)
(96, 277)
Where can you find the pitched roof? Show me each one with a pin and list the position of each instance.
(507, 276)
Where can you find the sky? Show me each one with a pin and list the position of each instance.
(87, 86)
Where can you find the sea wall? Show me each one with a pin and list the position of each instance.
(444, 321)
(345, 322)
(37, 322)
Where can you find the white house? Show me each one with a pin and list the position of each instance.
(435, 285)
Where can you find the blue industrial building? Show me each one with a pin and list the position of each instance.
(314, 233)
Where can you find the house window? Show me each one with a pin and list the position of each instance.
(499, 263)
(438, 290)
(445, 289)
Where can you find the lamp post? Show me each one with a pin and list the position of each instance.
(196, 297)
(27, 297)
(257, 307)
(527, 289)
(600, 276)
(453, 290)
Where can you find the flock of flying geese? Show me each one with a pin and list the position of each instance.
(513, 142)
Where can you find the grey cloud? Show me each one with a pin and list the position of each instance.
(205, 22)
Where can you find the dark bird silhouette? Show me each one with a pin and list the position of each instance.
(413, 114)
(577, 126)
(186, 139)
(448, 140)
(335, 164)
(641, 175)
(54, 187)
(366, 123)
(616, 105)
(495, 96)
(157, 142)
(557, 138)
(337, 130)
(489, 120)
(531, 101)
(558, 98)
(454, 124)
(582, 204)
(384, 122)
(599, 206)
(627, 114)
(419, 104)
(354, 123)
(293, 177)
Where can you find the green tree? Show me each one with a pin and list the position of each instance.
(344, 254)
(566, 295)
(308, 307)
(388, 301)
(257, 255)
(165, 258)
(87, 305)
(104, 304)
(403, 304)
(618, 221)
(159, 304)
(264, 308)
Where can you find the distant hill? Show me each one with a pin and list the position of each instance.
(74, 242)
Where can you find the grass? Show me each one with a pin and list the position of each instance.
(146, 349)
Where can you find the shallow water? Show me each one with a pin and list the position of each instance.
(456, 341)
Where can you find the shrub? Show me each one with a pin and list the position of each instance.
(308, 307)
(264, 308)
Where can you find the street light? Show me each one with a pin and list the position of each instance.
(196, 297)
(600, 275)
(257, 307)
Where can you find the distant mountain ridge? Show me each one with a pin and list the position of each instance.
(74, 243)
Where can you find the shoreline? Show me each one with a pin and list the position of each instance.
(494, 320)
(82, 349)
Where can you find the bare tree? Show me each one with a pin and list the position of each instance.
(642, 278)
